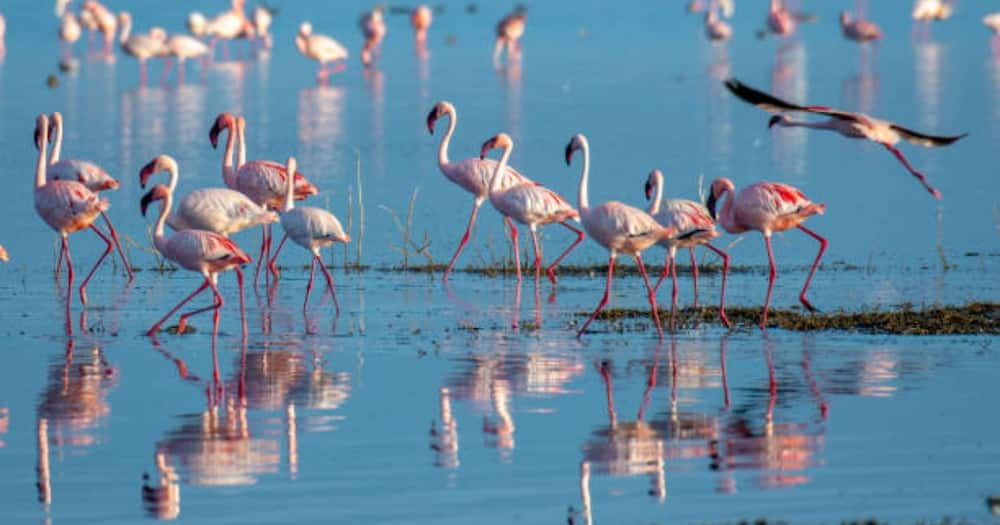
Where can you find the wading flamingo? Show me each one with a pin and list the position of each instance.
(779, 20)
(858, 29)
(87, 173)
(619, 228)
(767, 207)
(715, 28)
(373, 29)
(4, 257)
(530, 204)
(928, 10)
(67, 206)
(89, 23)
(139, 46)
(695, 227)
(181, 48)
(311, 228)
(262, 26)
(322, 49)
(472, 174)
(850, 125)
(509, 32)
(420, 19)
(226, 26)
(69, 33)
(105, 21)
(197, 250)
(261, 180)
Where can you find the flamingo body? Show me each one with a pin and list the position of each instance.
(320, 48)
(779, 20)
(68, 206)
(931, 10)
(859, 30)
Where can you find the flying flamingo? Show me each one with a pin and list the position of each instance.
(67, 206)
(779, 20)
(420, 19)
(530, 204)
(104, 20)
(767, 207)
(261, 180)
(311, 228)
(619, 228)
(848, 124)
(87, 173)
(373, 29)
(197, 250)
(139, 46)
(472, 174)
(322, 49)
(509, 32)
(859, 29)
(695, 227)
(69, 33)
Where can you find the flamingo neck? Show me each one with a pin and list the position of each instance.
(289, 189)
(241, 158)
(300, 43)
(228, 173)
(126, 29)
(40, 166)
(584, 179)
(57, 144)
(443, 149)
(159, 238)
(174, 175)
(726, 215)
(495, 181)
(654, 207)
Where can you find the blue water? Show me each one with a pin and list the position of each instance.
(351, 423)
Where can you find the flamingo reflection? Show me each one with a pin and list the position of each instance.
(789, 80)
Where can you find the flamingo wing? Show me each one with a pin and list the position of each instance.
(773, 104)
(326, 48)
(87, 173)
(921, 139)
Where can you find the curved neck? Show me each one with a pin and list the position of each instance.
(726, 215)
(495, 181)
(443, 150)
(40, 167)
(301, 43)
(584, 176)
(775, 6)
(227, 158)
(289, 190)
(57, 144)
(172, 170)
(126, 29)
(790, 123)
(654, 207)
(241, 158)
(159, 239)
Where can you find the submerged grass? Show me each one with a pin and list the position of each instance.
(971, 318)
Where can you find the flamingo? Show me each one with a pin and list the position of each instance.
(181, 48)
(859, 29)
(139, 46)
(67, 206)
(619, 228)
(716, 29)
(420, 19)
(200, 251)
(779, 20)
(373, 29)
(104, 20)
(69, 33)
(695, 227)
(509, 31)
(88, 22)
(262, 25)
(311, 228)
(322, 49)
(929, 10)
(472, 174)
(767, 207)
(87, 173)
(992, 21)
(4, 257)
(848, 124)
(261, 180)
(226, 26)
(530, 204)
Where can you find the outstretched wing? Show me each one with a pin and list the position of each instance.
(920, 139)
(773, 104)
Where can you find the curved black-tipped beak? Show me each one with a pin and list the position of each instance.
(569, 153)
(431, 118)
(649, 190)
(710, 204)
(146, 172)
(38, 139)
(144, 203)
(213, 134)
(774, 120)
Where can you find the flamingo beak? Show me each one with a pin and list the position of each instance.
(710, 204)
(38, 139)
(146, 172)
(431, 118)
(487, 146)
(649, 190)
(146, 199)
(217, 127)
(774, 120)
(569, 153)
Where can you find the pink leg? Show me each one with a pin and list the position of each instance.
(167, 67)
(517, 250)
(725, 273)
(62, 250)
(263, 253)
(651, 294)
(142, 73)
(225, 49)
(107, 250)
(538, 253)
(465, 239)
(604, 300)
(309, 285)
(822, 248)
(69, 283)
(273, 265)
(243, 307)
(665, 272)
(608, 393)
(551, 270)
(722, 362)
(329, 281)
(673, 290)
(118, 246)
(156, 327)
(694, 274)
(770, 281)
(915, 173)
(216, 305)
(517, 304)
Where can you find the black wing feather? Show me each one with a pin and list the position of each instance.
(760, 99)
(921, 139)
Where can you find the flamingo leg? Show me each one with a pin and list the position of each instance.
(517, 250)
(725, 273)
(62, 250)
(118, 246)
(694, 274)
(665, 272)
(673, 290)
(823, 243)
(770, 281)
(609, 394)
(551, 270)
(69, 282)
(920, 176)
(216, 305)
(107, 250)
(263, 253)
(273, 265)
(243, 307)
(465, 238)
(538, 252)
(329, 281)
(651, 294)
(309, 285)
(167, 68)
(604, 300)
(156, 327)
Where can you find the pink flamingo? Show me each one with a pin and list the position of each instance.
(420, 19)
(373, 28)
(715, 28)
(859, 29)
(67, 206)
(530, 204)
(87, 173)
(767, 207)
(322, 49)
(509, 32)
(619, 228)
(695, 227)
(779, 20)
(141, 47)
(262, 181)
(197, 250)
(104, 20)
(4, 256)
(311, 228)
(848, 124)
(472, 174)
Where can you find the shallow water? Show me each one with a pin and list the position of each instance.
(353, 421)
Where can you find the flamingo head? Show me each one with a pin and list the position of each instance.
(55, 119)
(439, 110)
(156, 193)
(158, 164)
(223, 121)
(302, 188)
(305, 29)
(41, 130)
(777, 119)
(499, 141)
(578, 142)
(719, 187)
(845, 17)
(655, 177)
(107, 182)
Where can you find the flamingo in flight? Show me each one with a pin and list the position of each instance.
(695, 227)
(67, 206)
(858, 29)
(322, 49)
(779, 20)
(848, 124)
(619, 228)
(530, 204)
(509, 32)
(262, 181)
(311, 228)
(200, 251)
(472, 174)
(767, 207)
(87, 173)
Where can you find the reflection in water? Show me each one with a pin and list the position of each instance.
(789, 82)
(320, 124)
(163, 499)
(444, 438)
(929, 58)
(375, 85)
(860, 92)
(510, 75)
